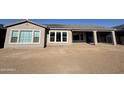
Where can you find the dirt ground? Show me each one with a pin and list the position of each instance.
(76, 58)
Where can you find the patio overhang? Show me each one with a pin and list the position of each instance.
(91, 30)
(78, 27)
(83, 30)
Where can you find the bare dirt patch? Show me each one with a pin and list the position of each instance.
(64, 59)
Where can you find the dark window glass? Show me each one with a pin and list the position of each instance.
(58, 36)
(76, 37)
(14, 39)
(36, 36)
(64, 34)
(52, 36)
(36, 39)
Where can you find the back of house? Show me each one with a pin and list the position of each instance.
(28, 34)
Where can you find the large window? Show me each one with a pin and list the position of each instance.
(25, 36)
(58, 36)
(14, 36)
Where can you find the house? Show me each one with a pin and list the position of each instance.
(30, 34)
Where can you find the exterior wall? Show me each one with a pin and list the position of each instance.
(69, 37)
(24, 26)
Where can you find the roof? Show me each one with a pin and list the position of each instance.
(24, 21)
(119, 27)
(1, 26)
(77, 27)
(65, 27)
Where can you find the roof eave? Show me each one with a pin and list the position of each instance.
(24, 21)
(81, 29)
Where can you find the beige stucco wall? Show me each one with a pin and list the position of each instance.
(24, 26)
(69, 38)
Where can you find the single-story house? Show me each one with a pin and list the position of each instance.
(30, 34)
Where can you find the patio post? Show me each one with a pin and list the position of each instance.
(95, 37)
(114, 38)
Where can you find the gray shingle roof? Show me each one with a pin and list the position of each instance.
(1, 26)
(77, 27)
(66, 27)
(24, 21)
(120, 27)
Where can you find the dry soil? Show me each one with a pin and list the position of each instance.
(76, 59)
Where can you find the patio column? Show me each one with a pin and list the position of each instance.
(95, 37)
(114, 38)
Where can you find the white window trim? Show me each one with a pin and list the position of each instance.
(19, 30)
(55, 36)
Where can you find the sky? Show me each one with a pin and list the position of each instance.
(99, 22)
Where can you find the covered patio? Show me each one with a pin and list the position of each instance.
(120, 34)
(93, 37)
(90, 34)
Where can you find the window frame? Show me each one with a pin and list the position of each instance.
(12, 36)
(34, 36)
(52, 36)
(55, 31)
(23, 37)
(63, 37)
(59, 39)
(19, 30)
